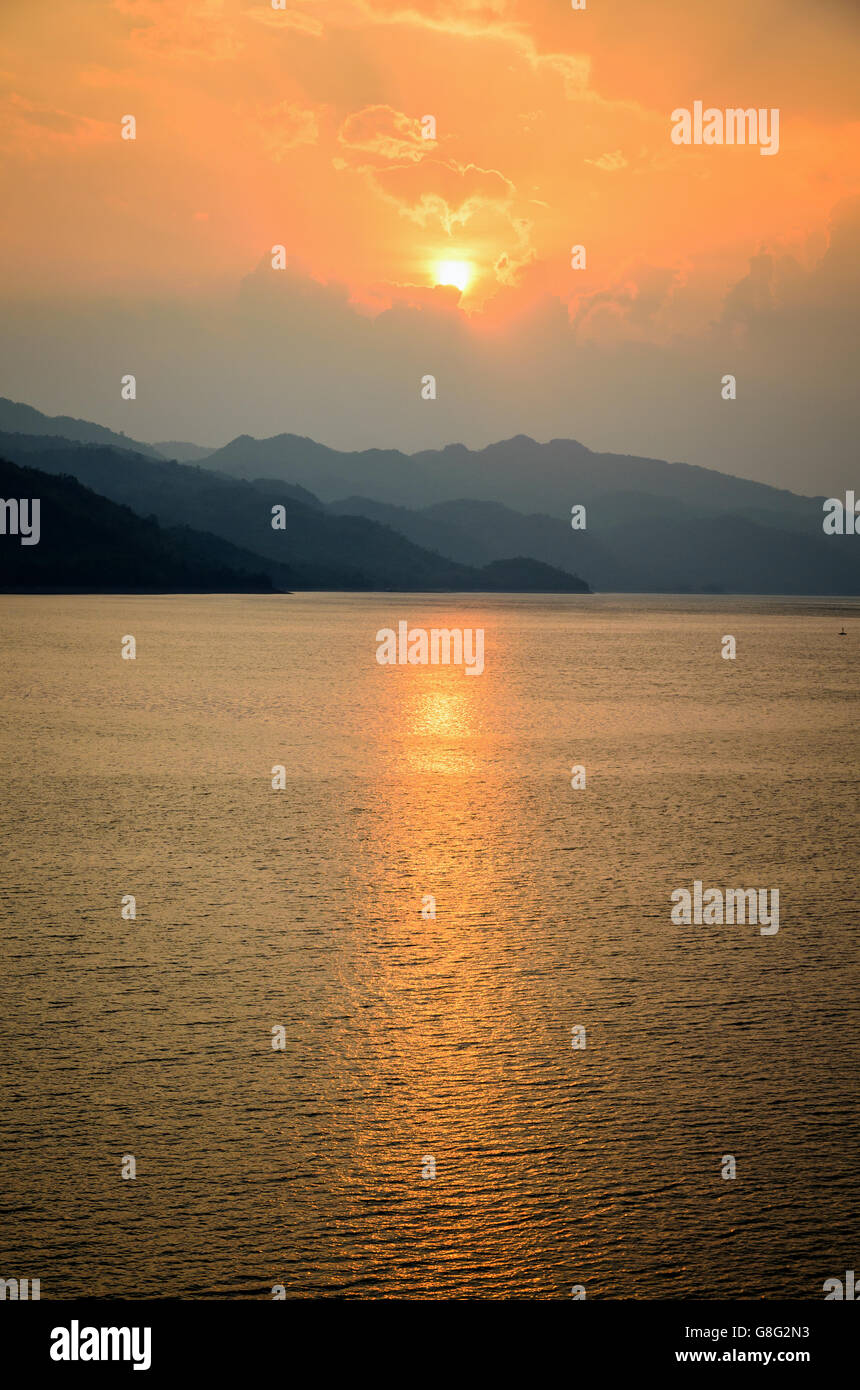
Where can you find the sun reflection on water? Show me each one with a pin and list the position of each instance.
(439, 727)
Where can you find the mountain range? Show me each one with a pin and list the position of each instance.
(226, 523)
(455, 518)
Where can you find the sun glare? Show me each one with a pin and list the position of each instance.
(457, 273)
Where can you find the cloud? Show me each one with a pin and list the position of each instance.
(780, 305)
(290, 353)
(609, 162)
(443, 191)
(382, 131)
(33, 127)
(293, 19)
(753, 295)
(181, 29)
(284, 126)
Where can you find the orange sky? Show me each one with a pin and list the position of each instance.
(301, 126)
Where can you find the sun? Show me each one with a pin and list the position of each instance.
(457, 273)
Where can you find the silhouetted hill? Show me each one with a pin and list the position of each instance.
(523, 575)
(321, 551)
(16, 418)
(88, 544)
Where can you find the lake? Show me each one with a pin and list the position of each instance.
(408, 1037)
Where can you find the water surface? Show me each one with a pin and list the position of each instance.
(408, 1037)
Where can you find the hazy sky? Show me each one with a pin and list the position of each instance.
(303, 127)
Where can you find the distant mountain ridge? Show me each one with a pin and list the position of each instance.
(651, 525)
(17, 418)
(180, 450)
(518, 473)
(313, 549)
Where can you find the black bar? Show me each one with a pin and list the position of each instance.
(414, 1341)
